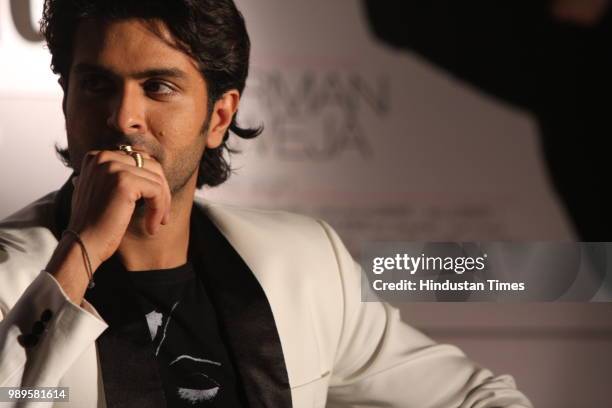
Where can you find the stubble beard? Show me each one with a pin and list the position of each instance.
(187, 162)
(186, 166)
(177, 178)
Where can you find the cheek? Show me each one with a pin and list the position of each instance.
(79, 132)
(83, 118)
(177, 128)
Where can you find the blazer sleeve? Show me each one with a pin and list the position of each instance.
(383, 362)
(43, 334)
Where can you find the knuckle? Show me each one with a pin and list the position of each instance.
(107, 167)
(152, 164)
(158, 190)
(122, 181)
(103, 156)
(158, 179)
(115, 166)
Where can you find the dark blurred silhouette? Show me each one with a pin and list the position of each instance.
(551, 58)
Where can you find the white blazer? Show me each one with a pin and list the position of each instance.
(337, 350)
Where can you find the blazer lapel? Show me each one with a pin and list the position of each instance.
(244, 314)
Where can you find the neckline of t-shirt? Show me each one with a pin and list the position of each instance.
(170, 275)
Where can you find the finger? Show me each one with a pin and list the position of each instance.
(158, 207)
(151, 164)
(103, 156)
(115, 166)
(116, 161)
(155, 177)
(152, 192)
(166, 218)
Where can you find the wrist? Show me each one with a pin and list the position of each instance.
(67, 267)
(81, 239)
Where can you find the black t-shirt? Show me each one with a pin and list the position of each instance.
(193, 362)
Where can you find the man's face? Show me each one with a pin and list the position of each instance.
(126, 85)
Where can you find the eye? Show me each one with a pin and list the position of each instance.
(159, 88)
(95, 84)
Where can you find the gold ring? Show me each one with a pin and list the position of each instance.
(138, 158)
(125, 148)
(135, 155)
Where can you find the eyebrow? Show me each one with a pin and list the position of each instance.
(82, 68)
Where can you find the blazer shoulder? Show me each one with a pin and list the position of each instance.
(256, 215)
(37, 213)
(27, 232)
(264, 237)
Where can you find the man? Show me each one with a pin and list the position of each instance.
(122, 288)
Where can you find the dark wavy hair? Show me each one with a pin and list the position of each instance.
(212, 32)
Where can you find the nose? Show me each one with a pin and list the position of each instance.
(127, 111)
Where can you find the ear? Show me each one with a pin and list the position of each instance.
(221, 117)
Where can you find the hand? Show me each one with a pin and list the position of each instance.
(105, 196)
